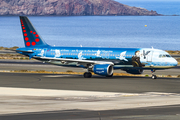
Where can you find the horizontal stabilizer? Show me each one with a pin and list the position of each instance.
(20, 51)
(23, 51)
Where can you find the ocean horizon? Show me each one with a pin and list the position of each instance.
(162, 32)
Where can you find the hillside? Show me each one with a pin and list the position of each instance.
(69, 8)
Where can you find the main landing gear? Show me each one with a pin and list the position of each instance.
(87, 75)
(153, 76)
(109, 75)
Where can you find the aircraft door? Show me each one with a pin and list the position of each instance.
(45, 51)
(149, 56)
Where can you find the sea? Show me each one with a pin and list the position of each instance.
(165, 7)
(159, 32)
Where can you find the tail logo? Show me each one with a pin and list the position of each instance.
(31, 36)
(26, 38)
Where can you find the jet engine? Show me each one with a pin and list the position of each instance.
(134, 71)
(103, 69)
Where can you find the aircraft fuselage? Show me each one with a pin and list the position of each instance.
(122, 58)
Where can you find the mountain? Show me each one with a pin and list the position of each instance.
(69, 8)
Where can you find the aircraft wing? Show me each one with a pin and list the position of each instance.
(81, 62)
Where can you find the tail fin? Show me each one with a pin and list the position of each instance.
(31, 36)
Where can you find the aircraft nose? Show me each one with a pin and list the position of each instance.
(174, 62)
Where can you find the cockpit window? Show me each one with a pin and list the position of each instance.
(164, 55)
(168, 56)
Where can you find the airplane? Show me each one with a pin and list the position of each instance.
(101, 61)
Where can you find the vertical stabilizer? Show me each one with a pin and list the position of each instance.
(31, 36)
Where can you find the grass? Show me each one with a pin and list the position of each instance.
(13, 56)
(173, 52)
(11, 48)
(169, 76)
(69, 72)
(178, 60)
(146, 75)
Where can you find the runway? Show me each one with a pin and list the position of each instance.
(97, 83)
(149, 113)
(97, 98)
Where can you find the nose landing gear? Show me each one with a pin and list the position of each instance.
(153, 76)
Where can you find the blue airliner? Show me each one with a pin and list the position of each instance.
(101, 61)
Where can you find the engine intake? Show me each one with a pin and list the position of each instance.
(103, 69)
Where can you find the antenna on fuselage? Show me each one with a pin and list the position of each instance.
(152, 47)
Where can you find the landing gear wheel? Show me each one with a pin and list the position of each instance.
(154, 77)
(109, 75)
(87, 75)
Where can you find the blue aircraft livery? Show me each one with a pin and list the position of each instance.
(101, 61)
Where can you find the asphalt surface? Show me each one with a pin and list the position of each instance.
(96, 83)
(148, 113)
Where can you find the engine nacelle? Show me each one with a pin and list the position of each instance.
(134, 71)
(103, 69)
